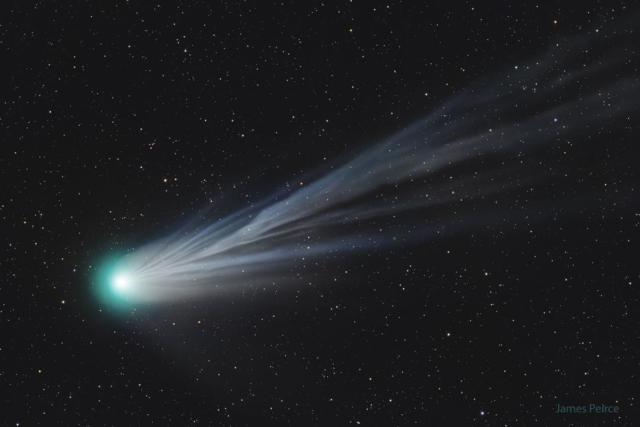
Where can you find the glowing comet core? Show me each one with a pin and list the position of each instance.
(121, 282)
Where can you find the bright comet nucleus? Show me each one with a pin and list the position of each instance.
(121, 282)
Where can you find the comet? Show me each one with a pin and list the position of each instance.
(453, 171)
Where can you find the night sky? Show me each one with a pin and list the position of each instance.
(123, 122)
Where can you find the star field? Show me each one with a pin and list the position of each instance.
(123, 122)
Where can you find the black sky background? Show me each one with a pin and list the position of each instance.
(120, 121)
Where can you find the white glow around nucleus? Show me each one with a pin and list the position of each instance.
(122, 282)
